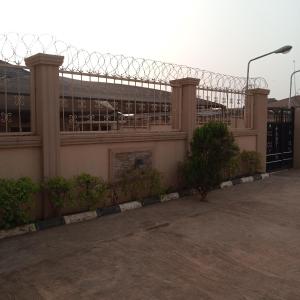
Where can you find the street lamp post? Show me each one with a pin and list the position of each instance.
(289, 104)
(283, 50)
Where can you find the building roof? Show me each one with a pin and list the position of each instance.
(295, 102)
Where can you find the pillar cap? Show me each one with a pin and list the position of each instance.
(258, 91)
(185, 81)
(44, 59)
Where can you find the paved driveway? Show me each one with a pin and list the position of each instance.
(243, 244)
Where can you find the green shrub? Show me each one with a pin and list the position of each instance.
(233, 169)
(245, 163)
(139, 183)
(89, 190)
(250, 162)
(16, 201)
(212, 149)
(59, 191)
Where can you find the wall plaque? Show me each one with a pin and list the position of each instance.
(123, 160)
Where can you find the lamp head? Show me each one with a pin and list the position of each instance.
(284, 49)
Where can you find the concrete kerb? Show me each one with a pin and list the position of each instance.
(119, 208)
(244, 180)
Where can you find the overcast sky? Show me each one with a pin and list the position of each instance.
(216, 35)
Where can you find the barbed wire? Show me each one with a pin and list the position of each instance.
(14, 48)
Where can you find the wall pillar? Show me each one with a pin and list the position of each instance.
(257, 100)
(45, 84)
(184, 107)
(45, 112)
(296, 137)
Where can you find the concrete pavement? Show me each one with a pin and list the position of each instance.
(242, 244)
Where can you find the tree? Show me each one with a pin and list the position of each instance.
(212, 148)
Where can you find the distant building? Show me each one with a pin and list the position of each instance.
(273, 103)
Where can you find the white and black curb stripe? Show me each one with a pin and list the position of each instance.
(17, 231)
(169, 197)
(244, 180)
(226, 184)
(119, 208)
(76, 218)
(130, 205)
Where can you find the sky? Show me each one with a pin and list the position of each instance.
(215, 35)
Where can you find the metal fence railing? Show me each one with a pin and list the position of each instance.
(220, 105)
(105, 92)
(91, 102)
(14, 99)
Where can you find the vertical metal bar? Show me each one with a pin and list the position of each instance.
(107, 121)
(120, 108)
(208, 106)
(154, 104)
(221, 118)
(142, 106)
(198, 103)
(212, 105)
(134, 100)
(115, 115)
(160, 105)
(81, 102)
(90, 106)
(99, 110)
(148, 104)
(63, 101)
(72, 102)
(227, 108)
(107, 109)
(5, 102)
(128, 109)
(165, 102)
(19, 102)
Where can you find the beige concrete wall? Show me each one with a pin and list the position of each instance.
(94, 158)
(246, 139)
(92, 155)
(18, 162)
(20, 156)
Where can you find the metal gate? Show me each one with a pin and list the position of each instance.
(280, 135)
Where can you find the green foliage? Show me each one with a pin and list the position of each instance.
(89, 190)
(138, 183)
(212, 150)
(245, 163)
(233, 169)
(59, 191)
(250, 162)
(16, 200)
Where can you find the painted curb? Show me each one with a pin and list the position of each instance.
(108, 210)
(150, 201)
(226, 184)
(265, 175)
(257, 177)
(76, 218)
(119, 208)
(49, 223)
(17, 231)
(236, 181)
(247, 179)
(169, 197)
(130, 205)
